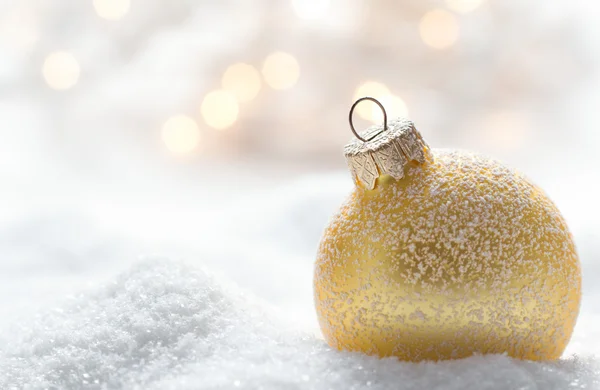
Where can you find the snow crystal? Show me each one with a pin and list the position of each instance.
(166, 325)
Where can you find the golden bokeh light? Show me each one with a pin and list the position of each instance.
(181, 134)
(439, 29)
(61, 70)
(219, 109)
(19, 29)
(369, 110)
(281, 70)
(111, 9)
(463, 6)
(311, 9)
(394, 106)
(506, 129)
(243, 80)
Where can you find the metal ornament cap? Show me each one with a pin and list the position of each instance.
(384, 150)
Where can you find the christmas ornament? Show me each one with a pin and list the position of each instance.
(442, 254)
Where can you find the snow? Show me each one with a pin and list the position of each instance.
(164, 325)
(104, 234)
(229, 306)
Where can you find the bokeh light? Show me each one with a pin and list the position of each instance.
(463, 6)
(61, 70)
(19, 29)
(505, 129)
(243, 80)
(219, 109)
(439, 29)
(394, 106)
(181, 134)
(369, 110)
(111, 9)
(281, 70)
(311, 9)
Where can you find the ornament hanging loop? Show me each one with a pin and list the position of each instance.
(352, 123)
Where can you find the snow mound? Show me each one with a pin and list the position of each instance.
(164, 325)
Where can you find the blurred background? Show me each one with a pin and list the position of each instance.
(129, 88)
(213, 130)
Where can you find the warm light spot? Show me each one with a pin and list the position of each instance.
(439, 29)
(242, 80)
(369, 110)
(281, 70)
(181, 134)
(219, 109)
(463, 6)
(111, 9)
(506, 129)
(19, 28)
(311, 9)
(61, 70)
(394, 106)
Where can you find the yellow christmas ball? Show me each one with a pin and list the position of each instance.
(460, 256)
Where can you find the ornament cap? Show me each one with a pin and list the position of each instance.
(383, 149)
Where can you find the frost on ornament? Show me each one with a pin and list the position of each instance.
(457, 256)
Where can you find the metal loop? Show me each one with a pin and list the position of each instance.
(352, 124)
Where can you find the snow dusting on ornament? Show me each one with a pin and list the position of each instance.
(461, 256)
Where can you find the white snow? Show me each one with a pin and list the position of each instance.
(87, 187)
(166, 325)
(236, 312)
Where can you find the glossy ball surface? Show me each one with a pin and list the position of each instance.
(461, 256)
